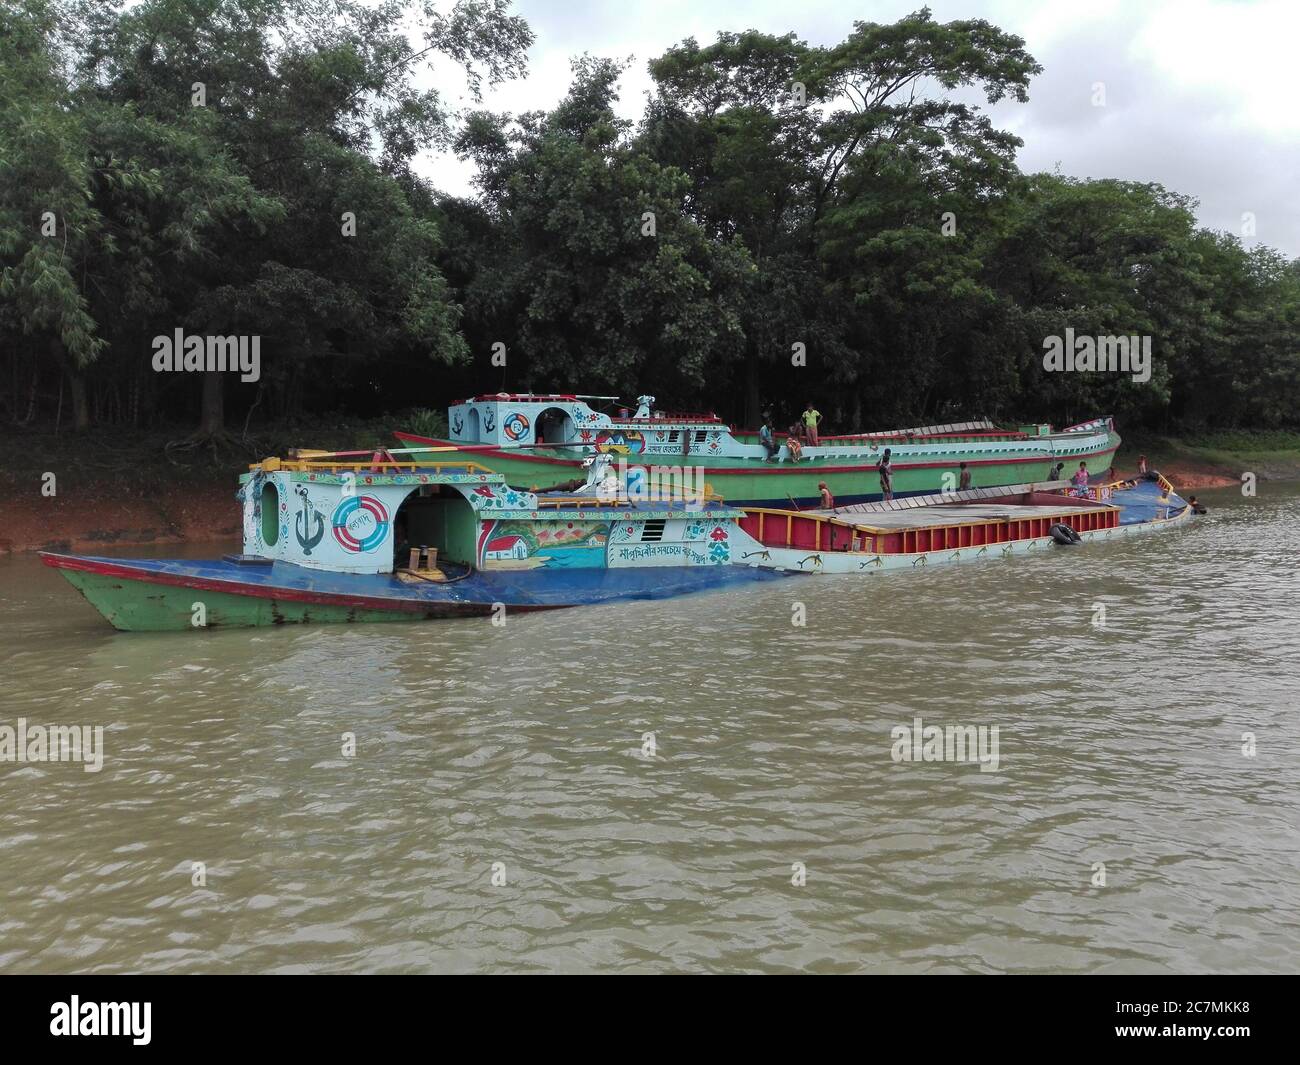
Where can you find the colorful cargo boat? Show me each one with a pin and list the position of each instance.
(965, 526)
(539, 441)
(328, 541)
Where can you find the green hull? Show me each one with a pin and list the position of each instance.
(747, 483)
(138, 606)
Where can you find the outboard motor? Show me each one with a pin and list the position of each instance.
(1064, 535)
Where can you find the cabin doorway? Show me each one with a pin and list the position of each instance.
(434, 533)
(472, 432)
(554, 426)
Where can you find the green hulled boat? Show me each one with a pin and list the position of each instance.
(540, 442)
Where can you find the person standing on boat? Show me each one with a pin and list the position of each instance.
(766, 438)
(886, 475)
(1142, 465)
(810, 419)
(964, 483)
(828, 500)
(1081, 480)
(1054, 474)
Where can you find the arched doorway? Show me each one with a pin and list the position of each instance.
(472, 432)
(439, 517)
(554, 426)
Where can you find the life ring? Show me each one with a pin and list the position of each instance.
(1064, 535)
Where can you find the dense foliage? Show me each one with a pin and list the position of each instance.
(244, 167)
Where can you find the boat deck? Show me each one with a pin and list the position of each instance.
(959, 514)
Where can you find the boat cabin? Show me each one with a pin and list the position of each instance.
(440, 520)
(528, 420)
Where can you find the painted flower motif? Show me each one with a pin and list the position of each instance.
(718, 552)
(483, 491)
(719, 533)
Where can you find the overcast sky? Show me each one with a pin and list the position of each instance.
(1199, 94)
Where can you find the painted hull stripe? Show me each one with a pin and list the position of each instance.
(261, 591)
(760, 469)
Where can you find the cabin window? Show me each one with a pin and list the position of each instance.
(270, 514)
(701, 435)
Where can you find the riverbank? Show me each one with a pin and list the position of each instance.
(1214, 460)
(122, 489)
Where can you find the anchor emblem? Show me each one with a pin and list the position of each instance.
(302, 523)
(489, 420)
(457, 424)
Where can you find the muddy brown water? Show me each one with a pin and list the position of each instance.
(500, 812)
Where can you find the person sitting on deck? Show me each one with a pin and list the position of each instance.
(810, 419)
(964, 483)
(1054, 474)
(796, 448)
(886, 475)
(828, 500)
(766, 438)
(1080, 481)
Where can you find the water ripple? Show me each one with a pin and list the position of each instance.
(500, 812)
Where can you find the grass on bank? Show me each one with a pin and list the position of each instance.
(1231, 451)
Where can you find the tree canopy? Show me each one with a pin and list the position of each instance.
(785, 222)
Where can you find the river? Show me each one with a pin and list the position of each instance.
(503, 810)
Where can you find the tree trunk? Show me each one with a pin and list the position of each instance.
(212, 421)
(752, 414)
(76, 384)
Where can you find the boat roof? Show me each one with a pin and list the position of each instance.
(383, 467)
